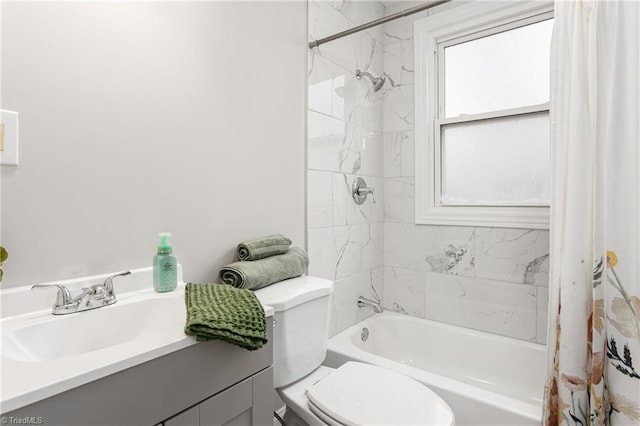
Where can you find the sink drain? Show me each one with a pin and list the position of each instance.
(364, 334)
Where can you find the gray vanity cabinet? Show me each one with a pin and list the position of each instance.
(209, 383)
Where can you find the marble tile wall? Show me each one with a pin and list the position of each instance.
(345, 140)
(491, 279)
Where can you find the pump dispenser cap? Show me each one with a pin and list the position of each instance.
(164, 247)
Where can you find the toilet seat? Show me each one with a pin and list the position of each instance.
(325, 418)
(364, 394)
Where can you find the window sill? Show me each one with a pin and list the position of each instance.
(497, 217)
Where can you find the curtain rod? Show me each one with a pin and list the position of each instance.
(402, 13)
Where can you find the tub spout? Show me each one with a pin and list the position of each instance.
(376, 306)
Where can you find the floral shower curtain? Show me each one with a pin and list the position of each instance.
(594, 324)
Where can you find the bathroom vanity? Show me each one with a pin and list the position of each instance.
(94, 368)
(208, 383)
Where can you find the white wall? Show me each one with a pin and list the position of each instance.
(143, 117)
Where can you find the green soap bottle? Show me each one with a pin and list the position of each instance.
(165, 266)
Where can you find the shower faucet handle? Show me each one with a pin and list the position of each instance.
(360, 190)
(366, 191)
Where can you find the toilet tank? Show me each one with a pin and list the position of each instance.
(301, 325)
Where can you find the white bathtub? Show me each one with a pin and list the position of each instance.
(485, 379)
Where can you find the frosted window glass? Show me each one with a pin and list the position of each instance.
(502, 161)
(501, 71)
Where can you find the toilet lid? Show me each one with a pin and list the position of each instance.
(364, 394)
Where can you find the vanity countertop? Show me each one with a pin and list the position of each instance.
(66, 351)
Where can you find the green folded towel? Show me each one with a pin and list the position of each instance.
(263, 247)
(261, 273)
(219, 311)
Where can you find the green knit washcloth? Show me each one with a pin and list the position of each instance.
(220, 311)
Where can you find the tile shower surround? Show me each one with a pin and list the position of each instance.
(345, 140)
(492, 279)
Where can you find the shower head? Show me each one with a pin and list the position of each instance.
(378, 82)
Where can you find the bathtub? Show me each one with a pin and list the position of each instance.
(486, 379)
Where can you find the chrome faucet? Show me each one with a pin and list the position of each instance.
(96, 296)
(376, 306)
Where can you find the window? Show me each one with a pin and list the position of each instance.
(482, 115)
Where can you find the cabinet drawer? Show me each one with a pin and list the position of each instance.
(226, 406)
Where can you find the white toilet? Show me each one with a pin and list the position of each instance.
(353, 394)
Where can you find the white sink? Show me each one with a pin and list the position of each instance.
(45, 354)
(144, 319)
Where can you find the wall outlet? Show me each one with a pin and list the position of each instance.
(8, 137)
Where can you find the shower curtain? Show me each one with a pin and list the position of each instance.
(593, 341)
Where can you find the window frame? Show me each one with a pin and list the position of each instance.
(432, 35)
